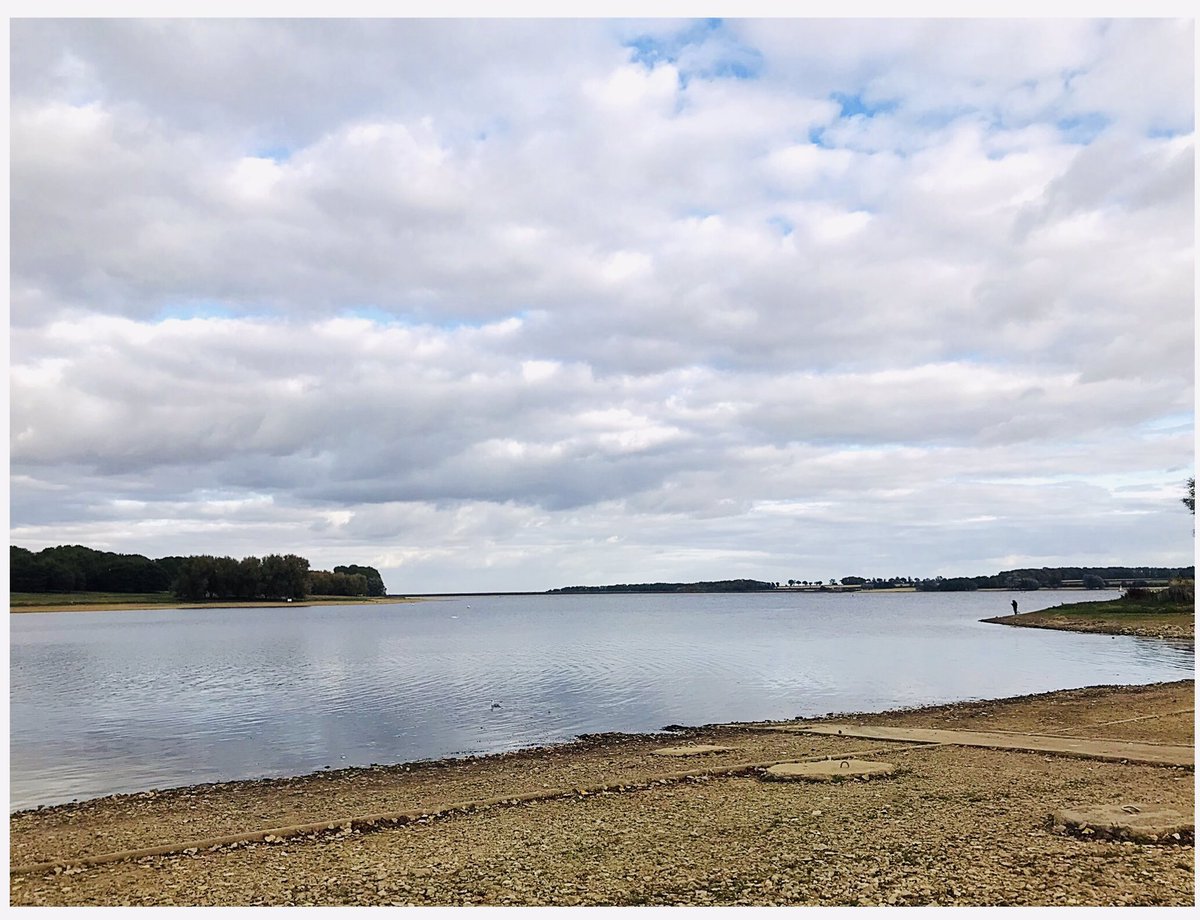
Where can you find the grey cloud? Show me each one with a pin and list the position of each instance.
(609, 319)
(284, 83)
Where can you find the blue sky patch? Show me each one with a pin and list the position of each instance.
(854, 104)
(1173, 423)
(783, 225)
(1082, 129)
(278, 154)
(370, 312)
(649, 50)
(816, 136)
(723, 58)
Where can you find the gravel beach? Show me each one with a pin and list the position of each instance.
(606, 821)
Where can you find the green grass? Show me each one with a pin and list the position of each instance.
(19, 599)
(1173, 602)
(1154, 606)
(1148, 614)
(26, 599)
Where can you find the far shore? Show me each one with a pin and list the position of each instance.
(94, 607)
(98, 606)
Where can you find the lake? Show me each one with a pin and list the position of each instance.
(133, 700)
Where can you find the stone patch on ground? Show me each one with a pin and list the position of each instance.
(691, 750)
(1140, 822)
(829, 770)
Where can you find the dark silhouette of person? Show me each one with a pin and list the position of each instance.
(1014, 603)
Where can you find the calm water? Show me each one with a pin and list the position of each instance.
(122, 702)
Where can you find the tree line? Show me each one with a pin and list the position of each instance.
(1035, 579)
(64, 569)
(733, 586)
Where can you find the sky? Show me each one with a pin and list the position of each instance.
(515, 304)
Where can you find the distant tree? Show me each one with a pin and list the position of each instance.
(249, 577)
(211, 578)
(128, 574)
(192, 580)
(337, 584)
(1092, 582)
(62, 577)
(170, 565)
(25, 571)
(375, 586)
(853, 580)
(285, 576)
(948, 584)
(1190, 501)
(224, 579)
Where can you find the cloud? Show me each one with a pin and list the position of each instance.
(611, 300)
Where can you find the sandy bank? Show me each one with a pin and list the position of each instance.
(955, 825)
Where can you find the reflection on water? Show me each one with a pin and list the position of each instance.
(120, 702)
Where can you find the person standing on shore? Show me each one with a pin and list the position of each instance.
(1014, 603)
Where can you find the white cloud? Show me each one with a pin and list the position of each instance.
(486, 294)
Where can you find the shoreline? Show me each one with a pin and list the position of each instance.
(118, 606)
(1097, 623)
(695, 837)
(667, 734)
(94, 607)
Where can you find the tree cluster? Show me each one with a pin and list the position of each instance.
(338, 584)
(375, 587)
(195, 578)
(225, 578)
(897, 581)
(79, 568)
(1034, 579)
(1019, 579)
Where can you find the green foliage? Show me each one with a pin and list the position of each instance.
(337, 584)
(375, 586)
(1190, 501)
(202, 578)
(78, 568)
(1062, 576)
(71, 569)
(1137, 593)
(1180, 592)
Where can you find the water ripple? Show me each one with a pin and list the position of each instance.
(123, 702)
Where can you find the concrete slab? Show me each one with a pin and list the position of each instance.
(829, 770)
(1132, 751)
(690, 750)
(1143, 822)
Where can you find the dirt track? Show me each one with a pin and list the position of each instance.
(954, 826)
